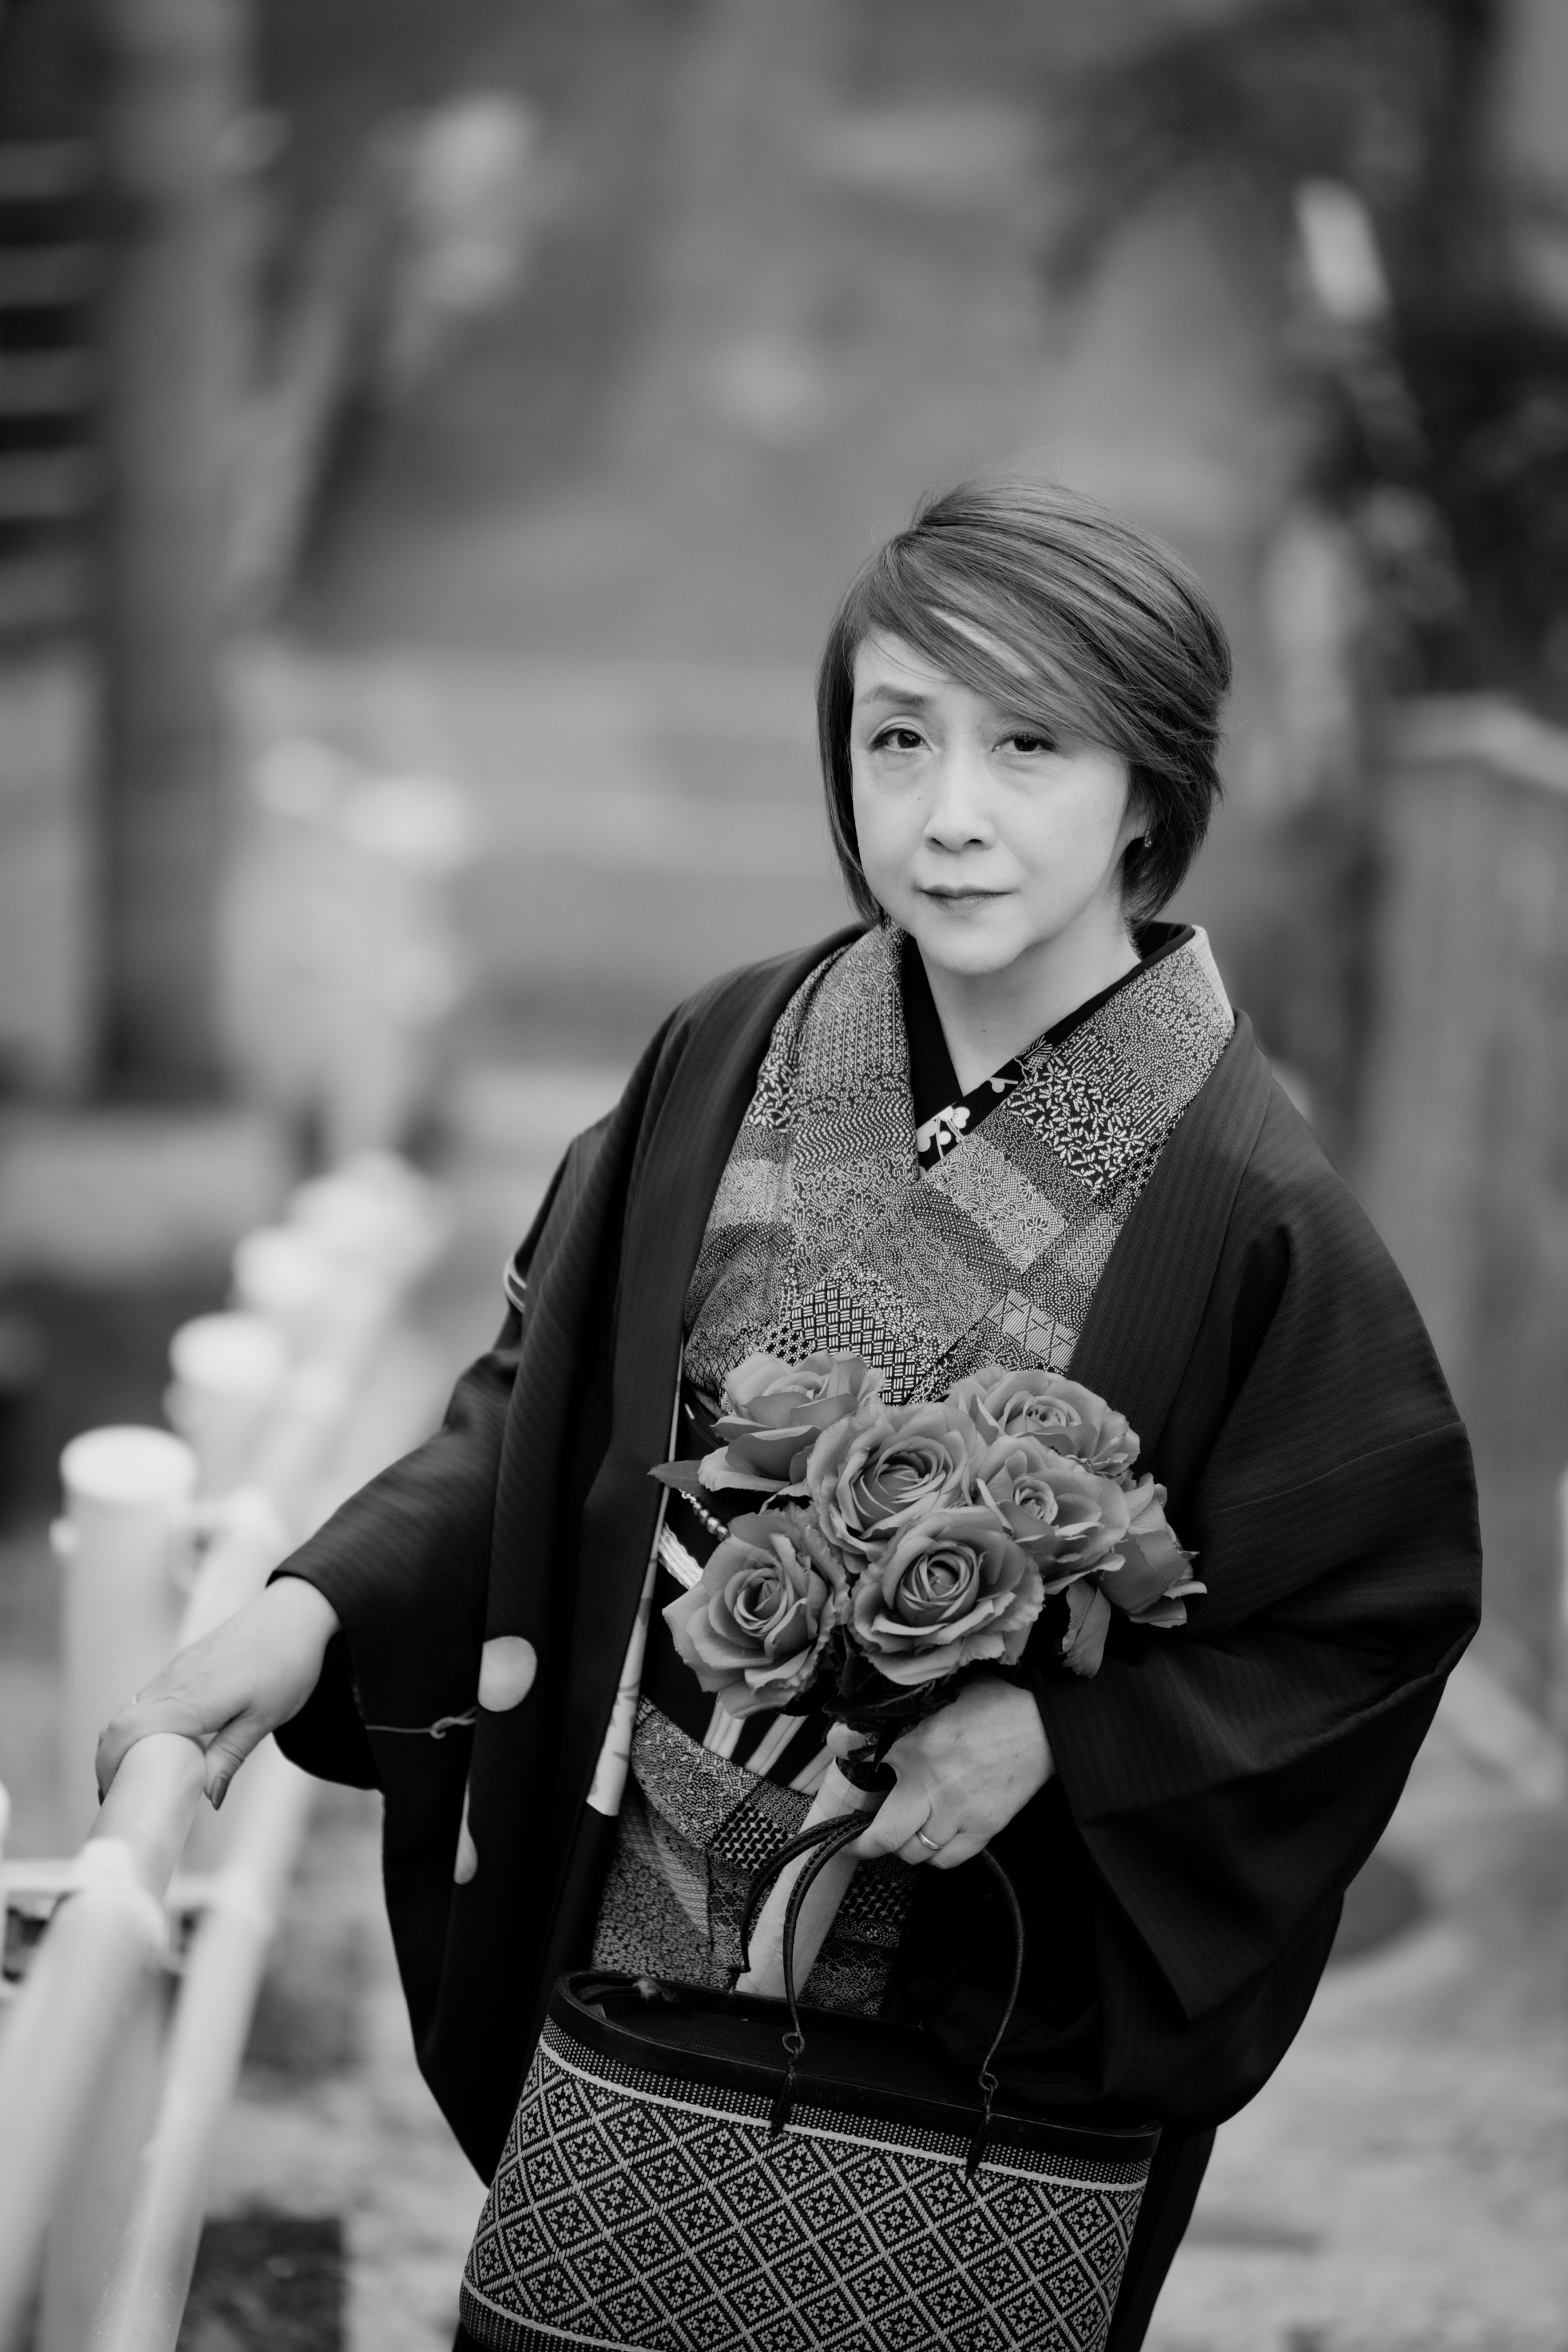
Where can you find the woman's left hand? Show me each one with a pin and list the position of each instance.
(963, 1773)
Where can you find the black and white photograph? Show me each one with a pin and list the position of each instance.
(784, 1175)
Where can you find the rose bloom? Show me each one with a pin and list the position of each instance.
(868, 1479)
(1059, 1412)
(949, 1591)
(754, 1628)
(772, 1412)
(1155, 1573)
(1067, 1517)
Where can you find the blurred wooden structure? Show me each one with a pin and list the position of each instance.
(1532, 131)
(161, 448)
(48, 281)
(172, 74)
(1465, 1167)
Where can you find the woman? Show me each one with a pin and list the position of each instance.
(1008, 1118)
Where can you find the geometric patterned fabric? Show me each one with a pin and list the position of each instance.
(825, 1233)
(640, 2213)
(694, 1829)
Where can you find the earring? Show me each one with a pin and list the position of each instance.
(1148, 841)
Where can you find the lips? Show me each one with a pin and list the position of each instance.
(963, 897)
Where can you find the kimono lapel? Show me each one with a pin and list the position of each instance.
(681, 1158)
(825, 1235)
(1158, 1279)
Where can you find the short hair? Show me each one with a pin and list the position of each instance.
(1050, 604)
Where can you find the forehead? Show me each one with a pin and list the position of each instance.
(887, 664)
(889, 669)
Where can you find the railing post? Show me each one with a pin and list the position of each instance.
(228, 1369)
(127, 1521)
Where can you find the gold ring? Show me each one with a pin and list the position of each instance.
(930, 1841)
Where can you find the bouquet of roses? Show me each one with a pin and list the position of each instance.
(895, 1545)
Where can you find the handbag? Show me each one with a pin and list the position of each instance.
(691, 2170)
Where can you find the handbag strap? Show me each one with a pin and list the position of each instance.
(819, 1843)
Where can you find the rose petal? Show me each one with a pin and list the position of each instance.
(1083, 1643)
(715, 1472)
(1165, 1612)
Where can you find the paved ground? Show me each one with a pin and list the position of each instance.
(1399, 2185)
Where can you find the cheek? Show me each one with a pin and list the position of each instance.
(1070, 835)
(887, 825)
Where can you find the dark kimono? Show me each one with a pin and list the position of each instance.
(1216, 1786)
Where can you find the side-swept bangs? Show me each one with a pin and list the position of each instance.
(1068, 615)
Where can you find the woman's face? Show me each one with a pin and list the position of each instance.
(979, 834)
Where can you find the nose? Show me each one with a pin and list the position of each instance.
(958, 816)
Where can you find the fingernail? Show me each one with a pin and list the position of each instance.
(220, 1790)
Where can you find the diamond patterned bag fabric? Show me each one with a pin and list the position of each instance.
(643, 2210)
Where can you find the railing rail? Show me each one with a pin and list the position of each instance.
(145, 2294)
(61, 2035)
(111, 2096)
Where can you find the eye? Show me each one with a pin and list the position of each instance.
(896, 739)
(1032, 742)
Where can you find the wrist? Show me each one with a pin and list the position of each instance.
(304, 1607)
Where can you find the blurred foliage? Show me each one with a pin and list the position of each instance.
(1444, 440)
(1491, 388)
(1387, 96)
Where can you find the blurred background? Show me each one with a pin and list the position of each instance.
(433, 438)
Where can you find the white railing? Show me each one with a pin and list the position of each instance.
(110, 2091)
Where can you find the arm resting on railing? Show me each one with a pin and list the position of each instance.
(227, 1691)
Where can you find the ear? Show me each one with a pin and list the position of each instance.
(1140, 816)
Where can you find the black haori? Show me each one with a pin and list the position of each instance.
(1216, 1787)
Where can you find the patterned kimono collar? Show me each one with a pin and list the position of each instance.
(824, 1232)
(945, 1111)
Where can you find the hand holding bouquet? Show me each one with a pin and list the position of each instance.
(898, 1544)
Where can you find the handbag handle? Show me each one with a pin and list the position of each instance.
(819, 1843)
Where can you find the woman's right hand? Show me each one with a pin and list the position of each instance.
(228, 1690)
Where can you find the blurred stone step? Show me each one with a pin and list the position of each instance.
(118, 1196)
(48, 383)
(49, 590)
(47, 277)
(46, 171)
(507, 1126)
(56, 486)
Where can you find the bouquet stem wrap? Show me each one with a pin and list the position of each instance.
(837, 1795)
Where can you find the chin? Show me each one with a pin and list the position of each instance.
(964, 943)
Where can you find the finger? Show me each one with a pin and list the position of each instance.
(922, 1847)
(178, 1711)
(901, 1812)
(134, 1722)
(959, 1849)
(227, 1752)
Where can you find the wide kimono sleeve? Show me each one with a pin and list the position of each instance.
(406, 1562)
(1227, 1780)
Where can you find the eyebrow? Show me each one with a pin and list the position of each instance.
(907, 697)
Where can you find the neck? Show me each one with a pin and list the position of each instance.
(989, 1017)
